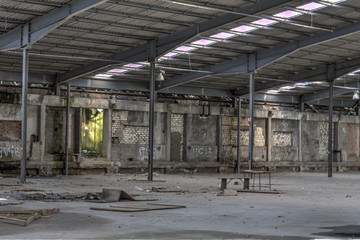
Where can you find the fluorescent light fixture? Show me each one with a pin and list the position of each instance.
(264, 22)
(185, 48)
(300, 84)
(203, 42)
(171, 54)
(223, 35)
(272, 91)
(356, 95)
(117, 70)
(133, 65)
(311, 6)
(334, 1)
(288, 14)
(103, 75)
(3, 199)
(244, 29)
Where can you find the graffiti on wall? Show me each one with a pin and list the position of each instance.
(144, 153)
(10, 151)
(202, 150)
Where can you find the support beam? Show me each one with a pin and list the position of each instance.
(319, 74)
(264, 57)
(67, 126)
(238, 153)
(251, 120)
(324, 93)
(37, 28)
(330, 140)
(151, 59)
(25, 72)
(169, 42)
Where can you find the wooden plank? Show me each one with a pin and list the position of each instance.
(139, 208)
(33, 218)
(12, 220)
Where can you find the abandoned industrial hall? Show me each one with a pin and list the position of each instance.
(231, 117)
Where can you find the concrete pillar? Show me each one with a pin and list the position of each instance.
(300, 131)
(43, 127)
(219, 135)
(107, 132)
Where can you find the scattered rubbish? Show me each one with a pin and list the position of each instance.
(7, 202)
(164, 189)
(115, 195)
(228, 192)
(24, 217)
(138, 188)
(348, 196)
(139, 208)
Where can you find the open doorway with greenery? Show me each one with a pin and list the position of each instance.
(92, 132)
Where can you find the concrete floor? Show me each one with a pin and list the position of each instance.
(312, 206)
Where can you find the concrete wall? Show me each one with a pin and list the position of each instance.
(184, 137)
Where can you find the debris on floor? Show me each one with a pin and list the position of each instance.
(139, 208)
(228, 192)
(109, 195)
(24, 217)
(167, 190)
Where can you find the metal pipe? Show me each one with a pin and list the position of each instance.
(238, 137)
(251, 120)
(330, 142)
(67, 130)
(25, 79)
(151, 121)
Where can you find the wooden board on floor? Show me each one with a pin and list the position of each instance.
(24, 217)
(139, 208)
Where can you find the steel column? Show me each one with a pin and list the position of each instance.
(251, 120)
(151, 121)
(25, 78)
(238, 137)
(67, 130)
(330, 142)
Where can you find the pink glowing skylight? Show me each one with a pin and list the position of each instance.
(117, 70)
(244, 29)
(133, 65)
(264, 22)
(171, 54)
(288, 14)
(185, 48)
(203, 42)
(103, 75)
(223, 35)
(312, 6)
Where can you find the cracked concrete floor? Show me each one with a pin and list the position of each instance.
(311, 206)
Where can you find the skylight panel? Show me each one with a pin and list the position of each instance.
(273, 91)
(312, 6)
(301, 84)
(287, 88)
(103, 75)
(288, 14)
(203, 42)
(117, 70)
(171, 54)
(223, 35)
(133, 65)
(244, 29)
(185, 48)
(264, 22)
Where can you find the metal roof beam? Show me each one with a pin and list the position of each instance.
(8, 76)
(309, 76)
(323, 94)
(167, 43)
(265, 57)
(37, 28)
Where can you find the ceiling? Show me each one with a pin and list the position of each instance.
(202, 47)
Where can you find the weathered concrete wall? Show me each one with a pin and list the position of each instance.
(184, 137)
